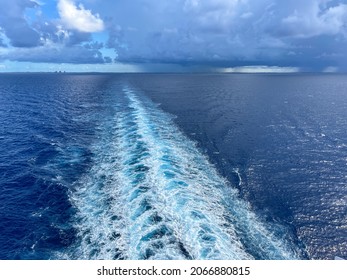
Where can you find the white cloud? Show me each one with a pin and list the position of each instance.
(260, 69)
(331, 69)
(78, 18)
(214, 15)
(246, 15)
(62, 34)
(317, 21)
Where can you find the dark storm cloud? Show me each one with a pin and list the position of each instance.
(230, 32)
(15, 27)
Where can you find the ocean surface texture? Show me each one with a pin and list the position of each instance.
(164, 166)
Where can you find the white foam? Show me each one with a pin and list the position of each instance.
(237, 171)
(152, 194)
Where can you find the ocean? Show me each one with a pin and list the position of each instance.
(173, 166)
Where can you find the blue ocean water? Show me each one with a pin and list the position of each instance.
(164, 166)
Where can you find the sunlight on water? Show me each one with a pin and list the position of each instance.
(151, 194)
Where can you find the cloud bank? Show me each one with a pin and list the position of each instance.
(211, 34)
(308, 34)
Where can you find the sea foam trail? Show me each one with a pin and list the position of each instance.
(151, 194)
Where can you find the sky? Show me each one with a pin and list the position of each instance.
(173, 35)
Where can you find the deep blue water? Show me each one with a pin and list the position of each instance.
(164, 166)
